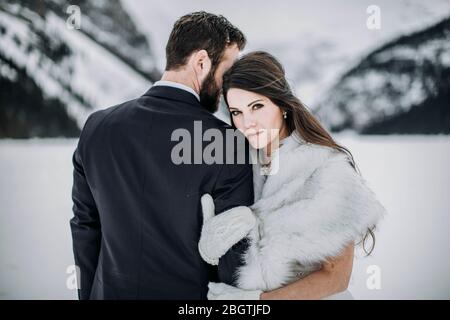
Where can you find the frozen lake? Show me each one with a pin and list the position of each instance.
(410, 175)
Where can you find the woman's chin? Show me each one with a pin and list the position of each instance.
(257, 143)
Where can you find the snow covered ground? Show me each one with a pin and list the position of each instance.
(409, 174)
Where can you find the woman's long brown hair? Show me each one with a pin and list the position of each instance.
(261, 73)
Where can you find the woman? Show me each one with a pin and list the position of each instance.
(311, 206)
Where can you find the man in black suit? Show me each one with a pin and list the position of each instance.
(137, 213)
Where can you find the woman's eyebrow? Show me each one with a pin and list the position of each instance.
(248, 104)
(254, 102)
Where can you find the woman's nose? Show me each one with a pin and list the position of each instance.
(249, 121)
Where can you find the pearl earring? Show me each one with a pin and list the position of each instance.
(285, 114)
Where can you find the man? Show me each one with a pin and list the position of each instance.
(137, 214)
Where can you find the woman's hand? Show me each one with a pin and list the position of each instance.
(220, 232)
(222, 291)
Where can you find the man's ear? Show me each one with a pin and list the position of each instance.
(202, 64)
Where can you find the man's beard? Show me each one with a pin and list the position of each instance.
(210, 93)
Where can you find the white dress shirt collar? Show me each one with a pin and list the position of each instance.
(177, 85)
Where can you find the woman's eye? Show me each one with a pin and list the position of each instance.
(235, 113)
(257, 106)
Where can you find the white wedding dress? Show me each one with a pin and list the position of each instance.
(345, 295)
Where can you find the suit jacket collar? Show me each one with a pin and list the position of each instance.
(172, 93)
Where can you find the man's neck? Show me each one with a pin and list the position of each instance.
(180, 77)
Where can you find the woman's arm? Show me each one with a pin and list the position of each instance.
(331, 279)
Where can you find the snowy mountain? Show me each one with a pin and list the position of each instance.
(52, 77)
(401, 87)
(316, 41)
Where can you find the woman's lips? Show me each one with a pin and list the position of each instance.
(251, 133)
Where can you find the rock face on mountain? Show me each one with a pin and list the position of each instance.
(53, 76)
(402, 87)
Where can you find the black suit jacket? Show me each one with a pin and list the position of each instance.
(137, 215)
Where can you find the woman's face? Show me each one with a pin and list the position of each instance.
(260, 120)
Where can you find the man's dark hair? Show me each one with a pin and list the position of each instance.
(197, 31)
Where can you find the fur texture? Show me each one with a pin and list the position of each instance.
(307, 212)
